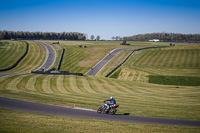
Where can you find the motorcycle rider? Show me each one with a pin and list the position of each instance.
(107, 105)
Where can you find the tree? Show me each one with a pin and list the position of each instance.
(113, 38)
(92, 37)
(117, 37)
(98, 38)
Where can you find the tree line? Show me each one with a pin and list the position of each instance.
(92, 37)
(174, 37)
(42, 35)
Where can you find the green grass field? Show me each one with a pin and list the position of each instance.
(80, 60)
(139, 99)
(10, 52)
(180, 61)
(15, 121)
(35, 57)
(129, 86)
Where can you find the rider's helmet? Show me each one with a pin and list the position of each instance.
(111, 97)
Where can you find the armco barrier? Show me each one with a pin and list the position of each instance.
(61, 58)
(57, 73)
(14, 65)
(129, 57)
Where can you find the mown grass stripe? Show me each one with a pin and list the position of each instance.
(129, 87)
(66, 84)
(33, 59)
(144, 59)
(53, 82)
(194, 59)
(154, 57)
(7, 80)
(176, 59)
(31, 82)
(116, 87)
(38, 84)
(161, 61)
(120, 87)
(8, 54)
(172, 58)
(110, 86)
(104, 86)
(86, 85)
(60, 84)
(43, 55)
(183, 57)
(11, 53)
(99, 86)
(198, 59)
(73, 84)
(80, 84)
(46, 85)
(23, 83)
(164, 57)
(93, 85)
(12, 85)
(23, 64)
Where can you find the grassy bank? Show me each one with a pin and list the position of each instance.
(80, 60)
(179, 61)
(11, 52)
(35, 57)
(15, 121)
(139, 99)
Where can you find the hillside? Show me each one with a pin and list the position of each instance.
(129, 85)
(13, 50)
(139, 99)
(10, 52)
(180, 61)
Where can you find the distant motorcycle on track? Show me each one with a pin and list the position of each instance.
(104, 109)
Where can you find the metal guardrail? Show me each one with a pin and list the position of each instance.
(129, 57)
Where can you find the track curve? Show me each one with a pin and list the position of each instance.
(94, 70)
(47, 64)
(24, 106)
(51, 56)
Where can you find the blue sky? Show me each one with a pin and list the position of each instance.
(106, 18)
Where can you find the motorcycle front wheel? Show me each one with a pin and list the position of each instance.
(99, 110)
(112, 111)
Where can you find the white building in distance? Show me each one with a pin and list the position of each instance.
(154, 40)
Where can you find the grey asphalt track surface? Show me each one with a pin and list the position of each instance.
(13, 104)
(51, 56)
(7, 74)
(94, 70)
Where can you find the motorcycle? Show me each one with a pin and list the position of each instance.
(112, 109)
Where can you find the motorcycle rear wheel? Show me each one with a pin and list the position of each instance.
(112, 111)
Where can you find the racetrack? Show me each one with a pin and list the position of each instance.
(94, 70)
(47, 64)
(24, 106)
(51, 56)
(62, 111)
